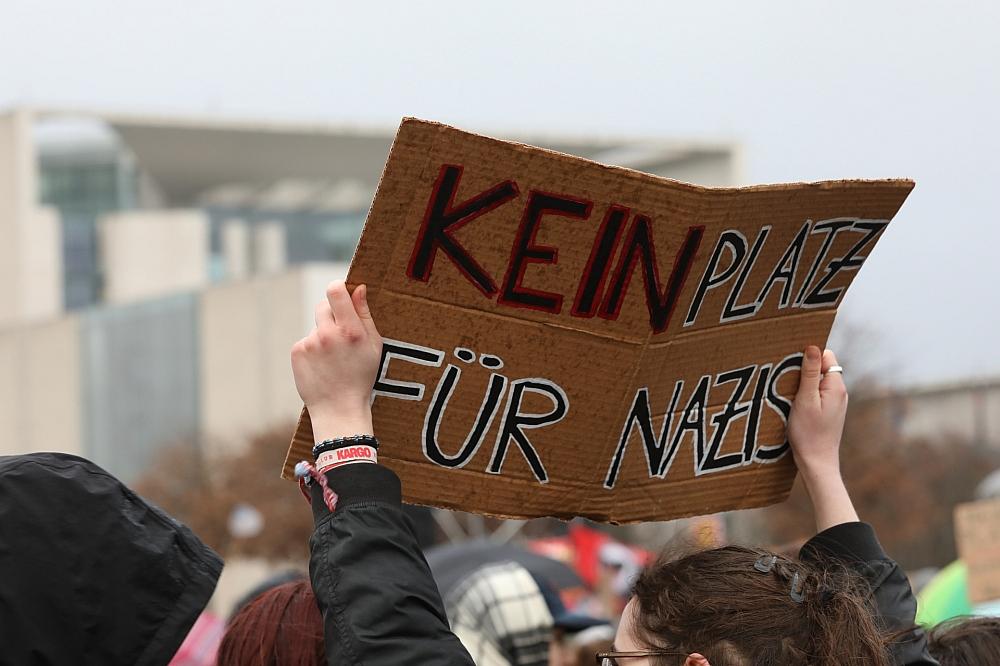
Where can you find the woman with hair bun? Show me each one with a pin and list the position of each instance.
(842, 603)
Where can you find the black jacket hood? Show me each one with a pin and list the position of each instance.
(90, 573)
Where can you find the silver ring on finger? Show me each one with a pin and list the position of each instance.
(834, 368)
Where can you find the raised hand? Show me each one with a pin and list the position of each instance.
(815, 427)
(335, 365)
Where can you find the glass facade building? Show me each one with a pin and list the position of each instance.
(84, 183)
(88, 181)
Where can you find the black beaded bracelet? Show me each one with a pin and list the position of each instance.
(341, 442)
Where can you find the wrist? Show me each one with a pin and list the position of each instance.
(331, 424)
(822, 483)
(819, 472)
(832, 504)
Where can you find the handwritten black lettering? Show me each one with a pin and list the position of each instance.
(432, 421)
(736, 244)
(734, 410)
(444, 218)
(733, 311)
(526, 251)
(515, 422)
(638, 246)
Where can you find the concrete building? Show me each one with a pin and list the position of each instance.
(151, 253)
(201, 368)
(967, 411)
(30, 258)
(41, 388)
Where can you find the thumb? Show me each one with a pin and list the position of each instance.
(360, 298)
(809, 378)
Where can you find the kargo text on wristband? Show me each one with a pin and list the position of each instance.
(347, 455)
(342, 442)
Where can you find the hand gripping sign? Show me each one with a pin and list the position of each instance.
(565, 338)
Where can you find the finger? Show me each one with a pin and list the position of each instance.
(832, 381)
(301, 347)
(829, 360)
(810, 375)
(340, 304)
(360, 298)
(323, 314)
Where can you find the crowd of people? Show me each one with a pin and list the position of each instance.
(121, 583)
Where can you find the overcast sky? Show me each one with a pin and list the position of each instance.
(811, 91)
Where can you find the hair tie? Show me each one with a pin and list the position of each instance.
(797, 593)
(765, 563)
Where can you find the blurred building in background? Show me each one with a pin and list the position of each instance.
(967, 411)
(156, 271)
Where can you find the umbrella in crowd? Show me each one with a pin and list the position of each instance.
(450, 563)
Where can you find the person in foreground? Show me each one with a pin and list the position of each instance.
(91, 574)
(844, 602)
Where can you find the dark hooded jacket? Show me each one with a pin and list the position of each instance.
(90, 573)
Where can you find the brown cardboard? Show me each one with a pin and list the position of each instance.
(977, 533)
(607, 354)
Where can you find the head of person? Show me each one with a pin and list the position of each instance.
(282, 626)
(507, 616)
(500, 615)
(737, 606)
(965, 641)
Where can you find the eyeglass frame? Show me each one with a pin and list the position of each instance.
(631, 654)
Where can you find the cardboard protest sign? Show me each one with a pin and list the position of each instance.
(977, 533)
(565, 338)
